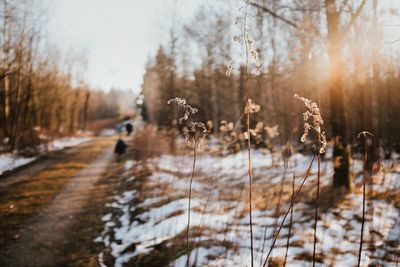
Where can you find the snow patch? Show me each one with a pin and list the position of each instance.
(219, 206)
(61, 143)
(10, 161)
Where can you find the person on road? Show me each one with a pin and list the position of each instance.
(120, 147)
(129, 128)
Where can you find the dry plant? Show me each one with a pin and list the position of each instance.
(231, 138)
(195, 134)
(148, 142)
(288, 211)
(366, 135)
(313, 113)
(290, 222)
(250, 107)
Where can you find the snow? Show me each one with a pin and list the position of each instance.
(10, 161)
(219, 205)
(108, 132)
(129, 164)
(64, 142)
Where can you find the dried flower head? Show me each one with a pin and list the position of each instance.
(272, 132)
(364, 134)
(259, 127)
(246, 39)
(258, 130)
(224, 126)
(230, 66)
(187, 109)
(227, 130)
(238, 19)
(194, 132)
(251, 107)
(210, 126)
(313, 113)
(252, 50)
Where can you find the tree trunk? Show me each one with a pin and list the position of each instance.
(85, 109)
(3, 108)
(341, 150)
(5, 63)
(73, 112)
(375, 109)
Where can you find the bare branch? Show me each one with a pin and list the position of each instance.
(274, 14)
(370, 20)
(392, 42)
(354, 17)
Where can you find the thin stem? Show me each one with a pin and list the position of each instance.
(363, 209)
(199, 231)
(316, 207)
(263, 244)
(248, 132)
(234, 129)
(290, 223)
(370, 205)
(278, 205)
(287, 212)
(371, 214)
(190, 197)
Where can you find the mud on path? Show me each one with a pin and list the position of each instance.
(49, 210)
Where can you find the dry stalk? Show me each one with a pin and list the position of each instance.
(289, 209)
(195, 133)
(248, 132)
(316, 206)
(313, 121)
(278, 206)
(290, 222)
(365, 176)
(190, 197)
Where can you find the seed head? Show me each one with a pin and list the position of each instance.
(251, 107)
(194, 132)
(313, 113)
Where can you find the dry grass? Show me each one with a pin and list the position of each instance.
(98, 125)
(149, 142)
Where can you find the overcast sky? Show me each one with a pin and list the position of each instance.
(116, 36)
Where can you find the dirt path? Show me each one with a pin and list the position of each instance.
(42, 238)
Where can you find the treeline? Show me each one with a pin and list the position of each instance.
(293, 59)
(41, 92)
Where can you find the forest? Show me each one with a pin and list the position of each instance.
(43, 91)
(340, 59)
(242, 69)
(261, 133)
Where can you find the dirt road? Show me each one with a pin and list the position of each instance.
(48, 211)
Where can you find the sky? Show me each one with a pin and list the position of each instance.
(115, 36)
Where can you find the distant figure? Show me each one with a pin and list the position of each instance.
(120, 128)
(120, 147)
(129, 128)
(287, 153)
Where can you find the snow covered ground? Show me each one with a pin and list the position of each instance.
(151, 214)
(10, 161)
(61, 143)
